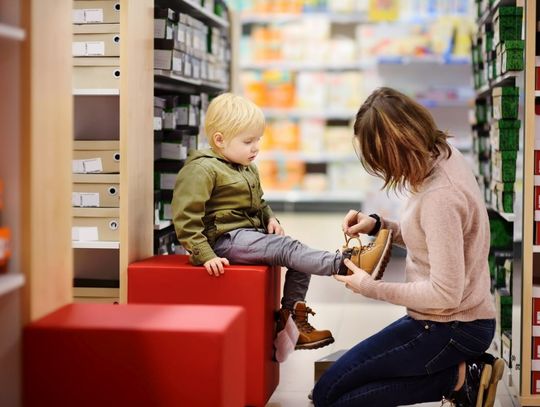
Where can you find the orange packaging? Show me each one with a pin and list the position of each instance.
(5, 248)
(285, 135)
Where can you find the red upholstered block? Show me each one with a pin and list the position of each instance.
(172, 280)
(136, 355)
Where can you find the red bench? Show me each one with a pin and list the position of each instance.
(172, 280)
(135, 355)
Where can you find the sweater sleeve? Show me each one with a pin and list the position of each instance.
(442, 216)
(396, 231)
(192, 190)
(265, 208)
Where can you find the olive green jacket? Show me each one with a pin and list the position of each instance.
(213, 196)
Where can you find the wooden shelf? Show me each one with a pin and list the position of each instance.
(196, 11)
(10, 282)
(166, 80)
(11, 32)
(96, 245)
(95, 92)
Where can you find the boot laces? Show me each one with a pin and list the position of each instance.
(303, 323)
(367, 247)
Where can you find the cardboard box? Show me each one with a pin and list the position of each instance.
(96, 224)
(101, 190)
(96, 73)
(324, 363)
(96, 40)
(96, 156)
(535, 385)
(96, 12)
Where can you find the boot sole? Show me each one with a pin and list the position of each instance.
(315, 345)
(385, 258)
(485, 379)
(497, 371)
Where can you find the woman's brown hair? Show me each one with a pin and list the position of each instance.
(397, 140)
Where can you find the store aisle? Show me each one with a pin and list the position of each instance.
(349, 316)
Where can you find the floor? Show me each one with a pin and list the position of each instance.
(349, 316)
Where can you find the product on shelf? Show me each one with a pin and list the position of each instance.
(96, 156)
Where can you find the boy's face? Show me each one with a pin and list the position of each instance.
(241, 149)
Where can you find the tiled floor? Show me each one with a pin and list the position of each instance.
(349, 316)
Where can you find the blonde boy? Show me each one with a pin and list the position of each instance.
(220, 215)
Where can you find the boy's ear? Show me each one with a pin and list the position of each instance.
(219, 140)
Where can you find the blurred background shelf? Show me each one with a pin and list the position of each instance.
(12, 32)
(10, 282)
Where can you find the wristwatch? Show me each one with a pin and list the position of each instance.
(377, 226)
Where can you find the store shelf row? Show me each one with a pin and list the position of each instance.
(334, 17)
(10, 282)
(501, 80)
(11, 32)
(168, 81)
(360, 65)
(195, 10)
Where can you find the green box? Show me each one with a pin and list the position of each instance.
(505, 102)
(507, 24)
(503, 302)
(501, 233)
(510, 56)
(504, 134)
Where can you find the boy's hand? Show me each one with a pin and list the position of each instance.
(356, 222)
(274, 227)
(214, 267)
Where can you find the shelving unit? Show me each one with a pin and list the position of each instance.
(270, 73)
(125, 115)
(31, 132)
(529, 363)
(182, 98)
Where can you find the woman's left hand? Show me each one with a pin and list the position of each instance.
(355, 281)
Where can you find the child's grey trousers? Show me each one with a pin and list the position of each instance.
(252, 246)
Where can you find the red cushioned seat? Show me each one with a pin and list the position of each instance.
(136, 355)
(172, 280)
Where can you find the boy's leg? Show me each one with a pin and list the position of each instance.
(295, 288)
(250, 246)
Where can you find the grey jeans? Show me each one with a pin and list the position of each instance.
(252, 246)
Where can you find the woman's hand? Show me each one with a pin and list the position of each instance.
(356, 222)
(214, 266)
(355, 281)
(274, 227)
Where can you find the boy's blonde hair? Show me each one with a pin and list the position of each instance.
(397, 139)
(231, 115)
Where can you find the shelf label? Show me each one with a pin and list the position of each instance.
(78, 49)
(93, 165)
(93, 15)
(84, 233)
(95, 48)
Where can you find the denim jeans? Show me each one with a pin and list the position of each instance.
(410, 361)
(252, 246)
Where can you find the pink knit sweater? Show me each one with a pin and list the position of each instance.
(445, 229)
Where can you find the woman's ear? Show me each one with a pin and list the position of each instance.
(219, 140)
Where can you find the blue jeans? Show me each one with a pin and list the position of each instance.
(410, 361)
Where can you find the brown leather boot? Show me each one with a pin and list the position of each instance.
(372, 258)
(310, 338)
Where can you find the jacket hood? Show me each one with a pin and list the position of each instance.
(208, 152)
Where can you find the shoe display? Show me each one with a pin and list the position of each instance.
(309, 337)
(372, 258)
(477, 379)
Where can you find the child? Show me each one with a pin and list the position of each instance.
(220, 216)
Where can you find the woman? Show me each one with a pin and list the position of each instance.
(437, 350)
